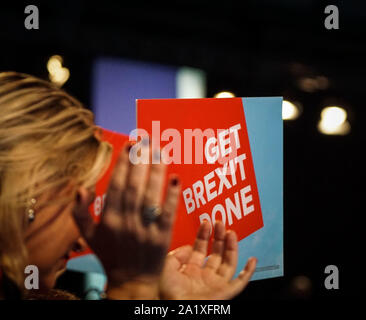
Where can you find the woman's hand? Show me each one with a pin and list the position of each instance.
(131, 249)
(187, 276)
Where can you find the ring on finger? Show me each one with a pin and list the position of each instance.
(150, 214)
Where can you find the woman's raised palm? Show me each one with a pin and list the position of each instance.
(188, 275)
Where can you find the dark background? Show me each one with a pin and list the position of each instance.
(257, 48)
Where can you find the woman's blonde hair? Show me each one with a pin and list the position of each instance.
(47, 140)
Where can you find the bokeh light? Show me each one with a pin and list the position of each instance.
(290, 111)
(57, 73)
(333, 121)
(224, 94)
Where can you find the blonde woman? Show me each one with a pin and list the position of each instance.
(50, 160)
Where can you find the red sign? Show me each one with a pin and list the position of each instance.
(206, 142)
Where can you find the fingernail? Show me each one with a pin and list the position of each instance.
(229, 232)
(249, 263)
(218, 222)
(204, 222)
(252, 260)
(174, 181)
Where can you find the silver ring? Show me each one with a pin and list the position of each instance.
(150, 214)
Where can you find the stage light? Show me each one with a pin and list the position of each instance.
(224, 94)
(54, 63)
(289, 110)
(334, 116)
(57, 73)
(301, 283)
(60, 76)
(333, 121)
(312, 84)
(301, 286)
(307, 84)
(322, 82)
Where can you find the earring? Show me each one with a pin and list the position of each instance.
(30, 210)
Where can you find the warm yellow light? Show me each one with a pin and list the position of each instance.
(333, 116)
(289, 110)
(54, 63)
(57, 73)
(333, 121)
(60, 76)
(224, 94)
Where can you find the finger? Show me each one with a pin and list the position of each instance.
(154, 187)
(230, 256)
(215, 259)
(238, 284)
(136, 177)
(82, 216)
(118, 179)
(200, 245)
(170, 205)
(178, 257)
